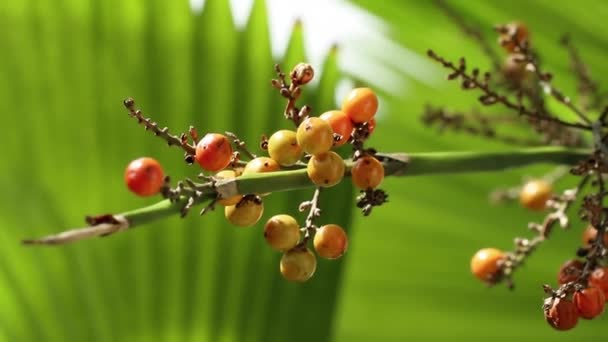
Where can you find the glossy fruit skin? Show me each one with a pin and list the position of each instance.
(282, 232)
(570, 271)
(535, 194)
(144, 176)
(485, 263)
(283, 147)
(330, 241)
(228, 174)
(519, 30)
(562, 314)
(340, 124)
(590, 234)
(367, 172)
(315, 136)
(326, 169)
(599, 278)
(298, 265)
(261, 164)
(589, 302)
(360, 105)
(246, 213)
(213, 152)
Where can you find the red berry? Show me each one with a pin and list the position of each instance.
(589, 302)
(561, 314)
(570, 271)
(213, 152)
(360, 105)
(340, 124)
(599, 278)
(144, 176)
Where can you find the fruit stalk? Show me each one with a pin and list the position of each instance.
(395, 164)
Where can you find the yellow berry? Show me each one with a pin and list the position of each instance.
(283, 147)
(261, 164)
(246, 213)
(298, 265)
(315, 136)
(228, 174)
(360, 105)
(326, 169)
(485, 263)
(282, 232)
(330, 241)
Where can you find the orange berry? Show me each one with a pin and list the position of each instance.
(298, 265)
(367, 172)
(282, 232)
(213, 152)
(535, 194)
(228, 174)
(360, 105)
(144, 176)
(330, 241)
(589, 302)
(340, 124)
(485, 263)
(561, 314)
(283, 147)
(246, 213)
(599, 278)
(570, 271)
(590, 234)
(326, 169)
(315, 136)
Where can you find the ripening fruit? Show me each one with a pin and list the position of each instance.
(228, 174)
(589, 302)
(590, 234)
(282, 232)
(298, 265)
(213, 152)
(340, 124)
(562, 314)
(485, 263)
(144, 176)
(360, 105)
(367, 172)
(517, 30)
(261, 164)
(315, 136)
(283, 147)
(535, 194)
(246, 213)
(570, 271)
(599, 278)
(326, 169)
(330, 241)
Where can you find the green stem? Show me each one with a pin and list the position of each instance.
(395, 164)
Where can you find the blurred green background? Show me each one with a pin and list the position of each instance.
(65, 67)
